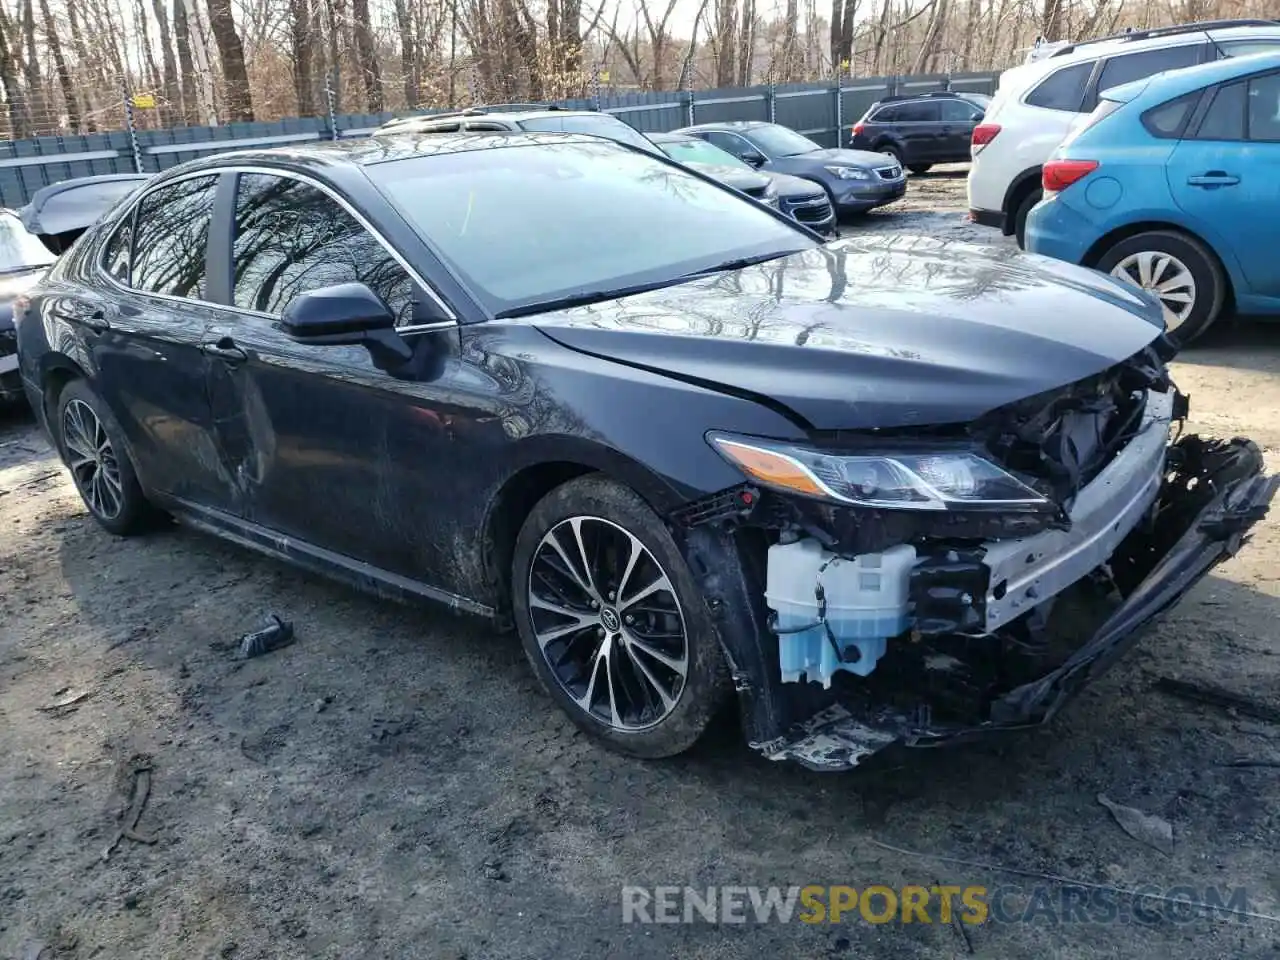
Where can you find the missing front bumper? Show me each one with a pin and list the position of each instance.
(842, 735)
(1212, 495)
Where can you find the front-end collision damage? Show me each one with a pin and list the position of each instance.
(932, 626)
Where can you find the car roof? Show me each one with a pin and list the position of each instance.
(514, 116)
(387, 148)
(1175, 83)
(728, 125)
(1065, 55)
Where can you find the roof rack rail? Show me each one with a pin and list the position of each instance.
(476, 111)
(1170, 31)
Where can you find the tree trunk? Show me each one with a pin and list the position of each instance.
(724, 41)
(60, 64)
(152, 77)
(36, 106)
(790, 38)
(1051, 19)
(408, 53)
(334, 67)
(18, 125)
(367, 56)
(747, 43)
(172, 109)
(235, 79)
(933, 33)
(186, 69)
(302, 37)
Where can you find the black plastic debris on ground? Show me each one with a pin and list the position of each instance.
(277, 634)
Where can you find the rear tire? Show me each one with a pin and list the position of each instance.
(889, 150)
(919, 168)
(91, 444)
(1182, 265)
(1020, 217)
(612, 621)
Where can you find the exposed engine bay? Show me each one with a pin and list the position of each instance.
(977, 575)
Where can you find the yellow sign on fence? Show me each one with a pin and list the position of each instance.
(144, 101)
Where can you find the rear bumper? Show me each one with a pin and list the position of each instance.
(1056, 230)
(987, 218)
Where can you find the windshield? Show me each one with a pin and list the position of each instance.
(778, 141)
(527, 224)
(699, 151)
(596, 126)
(20, 250)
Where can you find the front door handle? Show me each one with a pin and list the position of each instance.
(1213, 178)
(225, 350)
(97, 320)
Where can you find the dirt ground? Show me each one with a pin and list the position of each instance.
(394, 784)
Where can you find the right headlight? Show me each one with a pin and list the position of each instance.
(919, 480)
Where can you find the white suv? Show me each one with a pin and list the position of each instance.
(1037, 104)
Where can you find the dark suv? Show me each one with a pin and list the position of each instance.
(921, 131)
(540, 118)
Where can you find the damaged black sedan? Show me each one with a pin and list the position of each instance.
(879, 490)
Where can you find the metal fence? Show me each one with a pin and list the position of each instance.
(823, 112)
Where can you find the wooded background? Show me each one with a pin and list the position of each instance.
(69, 66)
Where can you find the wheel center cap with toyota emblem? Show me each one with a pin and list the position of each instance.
(610, 620)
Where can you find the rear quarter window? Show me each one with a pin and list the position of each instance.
(1168, 120)
(1062, 89)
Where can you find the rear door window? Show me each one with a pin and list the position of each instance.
(922, 112)
(1224, 119)
(172, 233)
(958, 111)
(1137, 66)
(1063, 89)
(1264, 108)
(291, 237)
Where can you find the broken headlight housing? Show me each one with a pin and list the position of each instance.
(916, 480)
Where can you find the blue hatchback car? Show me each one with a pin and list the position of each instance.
(1173, 184)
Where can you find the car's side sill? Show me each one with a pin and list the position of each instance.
(308, 556)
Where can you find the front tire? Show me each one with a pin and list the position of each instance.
(91, 444)
(1180, 271)
(612, 621)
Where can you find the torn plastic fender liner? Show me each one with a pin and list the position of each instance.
(841, 735)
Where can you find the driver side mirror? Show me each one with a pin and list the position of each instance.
(753, 157)
(347, 313)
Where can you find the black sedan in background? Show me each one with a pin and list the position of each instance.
(855, 180)
(706, 456)
(802, 200)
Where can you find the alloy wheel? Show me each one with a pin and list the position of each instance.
(92, 460)
(608, 623)
(1165, 276)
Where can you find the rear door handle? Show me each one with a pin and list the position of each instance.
(225, 350)
(1213, 178)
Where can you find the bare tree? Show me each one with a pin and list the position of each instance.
(366, 56)
(235, 80)
(69, 98)
(37, 108)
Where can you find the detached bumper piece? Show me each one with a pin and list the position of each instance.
(1211, 494)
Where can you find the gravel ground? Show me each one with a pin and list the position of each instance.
(394, 785)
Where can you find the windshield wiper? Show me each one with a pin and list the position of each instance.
(739, 263)
(583, 298)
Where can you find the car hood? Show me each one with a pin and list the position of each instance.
(853, 158)
(732, 176)
(875, 332)
(791, 187)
